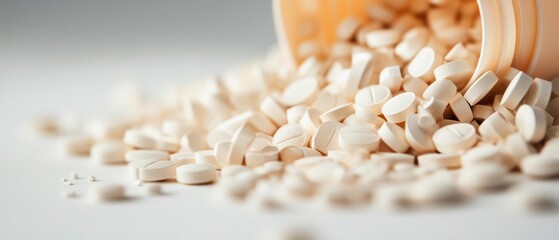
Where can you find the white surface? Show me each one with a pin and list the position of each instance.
(31, 206)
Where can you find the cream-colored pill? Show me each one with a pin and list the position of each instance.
(393, 158)
(482, 112)
(358, 137)
(173, 127)
(322, 172)
(419, 135)
(443, 90)
(442, 160)
(382, 38)
(481, 155)
(432, 191)
(481, 87)
(156, 171)
(75, 145)
(222, 150)
(302, 91)
(168, 144)
(232, 171)
(531, 123)
(551, 146)
(495, 128)
(196, 174)
(326, 137)
(424, 63)
(433, 107)
(207, 156)
(540, 166)
(367, 116)
(539, 93)
(293, 153)
(241, 141)
(398, 108)
(461, 109)
(394, 137)
(391, 77)
(274, 111)
(260, 142)
(259, 158)
(262, 123)
(361, 75)
(458, 71)
(139, 155)
(194, 140)
(183, 158)
(323, 104)
(295, 113)
(105, 192)
(338, 113)
(455, 137)
(483, 177)
(373, 98)
(311, 121)
(457, 52)
(517, 147)
(290, 135)
(415, 85)
(138, 139)
(108, 152)
(516, 90)
(413, 41)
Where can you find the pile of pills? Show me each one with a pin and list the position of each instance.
(389, 114)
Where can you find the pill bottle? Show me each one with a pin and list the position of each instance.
(523, 34)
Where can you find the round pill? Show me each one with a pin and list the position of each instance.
(326, 137)
(420, 137)
(443, 160)
(516, 90)
(442, 89)
(373, 98)
(458, 71)
(423, 64)
(539, 93)
(108, 152)
(338, 113)
(291, 134)
(394, 137)
(382, 38)
(455, 137)
(138, 155)
(481, 87)
(292, 153)
(461, 109)
(398, 108)
(391, 77)
(195, 174)
(302, 91)
(240, 142)
(360, 76)
(540, 166)
(483, 177)
(138, 139)
(481, 155)
(531, 123)
(358, 137)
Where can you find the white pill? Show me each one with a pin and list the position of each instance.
(362, 74)
(302, 91)
(338, 113)
(455, 137)
(458, 71)
(358, 137)
(415, 85)
(517, 147)
(412, 42)
(424, 63)
(398, 108)
(240, 142)
(495, 128)
(418, 132)
(481, 155)
(531, 123)
(195, 174)
(208, 157)
(516, 90)
(461, 109)
(540, 166)
(151, 171)
(326, 137)
(291, 134)
(105, 192)
(274, 111)
(503, 111)
(442, 160)
(311, 121)
(108, 152)
(322, 172)
(394, 137)
(259, 158)
(539, 93)
(373, 98)
(433, 107)
(138, 155)
(442, 89)
(293, 153)
(551, 146)
(391, 77)
(194, 140)
(295, 114)
(481, 87)
(183, 158)
(483, 177)
(482, 112)
(75, 145)
(382, 38)
(138, 139)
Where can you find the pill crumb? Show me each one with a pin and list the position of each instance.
(91, 179)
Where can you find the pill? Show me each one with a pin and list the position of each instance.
(302, 91)
(75, 145)
(322, 172)
(151, 171)
(495, 128)
(326, 137)
(360, 76)
(531, 123)
(382, 38)
(483, 177)
(539, 93)
(481, 155)
(138, 155)
(413, 41)
(290, 135)
(208, 157)
(394, 137)
(481, 87)
(105, 192)
(373, 98)
(461, 108)
(137, 139)
(458, 71)
(443, 90)
(183, 158)
(196, 174)
(91, 179)
(455, 137)
(553, 107)
(274, 111)
(292, 153)
(419, 134)
(295, 114)
(424, 63)
(516, 90)
(442, 160)
(338, 113)
(399, 107)
(167, 144)
(433, 191)
(391, 77)
(540, 166)
(352, 138)
(258, 158)
(517, 147)
(433, 107)
(194, 140)
(108, 152)
(457, 52)
(415, 85)
(240, 142)
(482, 112)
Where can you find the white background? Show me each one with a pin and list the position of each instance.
(64, 57)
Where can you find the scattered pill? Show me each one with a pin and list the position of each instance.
(196, 174)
